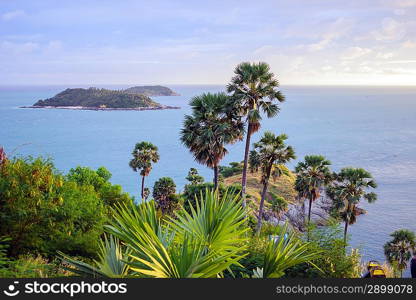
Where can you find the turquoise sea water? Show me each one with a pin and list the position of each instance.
(369, 127)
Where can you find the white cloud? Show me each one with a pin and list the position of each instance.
(391, 30)
(12, 15)
(355, 52)
(384, 55)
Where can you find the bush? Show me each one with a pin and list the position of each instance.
(334, 261)
(192, 192)
(111, 194)
(233, 169)
(32, 267)
(43, 211)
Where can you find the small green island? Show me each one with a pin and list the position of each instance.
(152, 90)
(104, 99)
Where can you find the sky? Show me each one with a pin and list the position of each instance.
(316, 42)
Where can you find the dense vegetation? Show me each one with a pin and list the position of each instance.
(93, 97)
(151, 90)
(256, 219)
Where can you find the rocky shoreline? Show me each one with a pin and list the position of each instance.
(103, 108)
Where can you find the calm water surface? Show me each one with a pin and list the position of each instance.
(369, 127)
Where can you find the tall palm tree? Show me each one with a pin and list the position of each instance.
(350, 186)
(209, 129)
(312, 175)
(144, 154)
(254, 90)
(273, 154)
(399, 249)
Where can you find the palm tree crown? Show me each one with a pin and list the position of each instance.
(144, 154)
(254, 91)
(210, 127)
(311, 175)
(399, 250)
(350, 186)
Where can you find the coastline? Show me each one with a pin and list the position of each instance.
(103, 108)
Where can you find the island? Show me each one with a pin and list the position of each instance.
(99, 99)
(151, 90)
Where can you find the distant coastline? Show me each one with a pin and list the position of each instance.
(104, 108)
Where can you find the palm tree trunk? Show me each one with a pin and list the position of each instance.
(215, 177)
(260, 217)
(345, 232)
(143, 187)
(244, 177)
(309, 211)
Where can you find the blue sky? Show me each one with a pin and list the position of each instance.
(200, 42)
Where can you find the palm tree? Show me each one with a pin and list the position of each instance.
(254, 90)
(144, 154)
(311, 176)
(349, 187)
(209, 129)
(399, 250)
(203, 243)
(273, 155)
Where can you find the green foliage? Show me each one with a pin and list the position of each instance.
(27, 266)
(234, 168)
(255, 88)
(194, 177)
(4, 244)
(312, 175)
(398, 251)
(164, 194)
(42, 211)
(201, 244)
(93, 97)
(285, 252)
(192, 192)
(111, 262)
(144, 154)
(209, 129)
(273, 154)
(278, 204)
(111, 194)
(151, 90)
(350, 186)
(334, 262)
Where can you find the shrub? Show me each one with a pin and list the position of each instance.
(28, 266)
(192, 192)
(41, 211)
(233, 169)
(334, 262)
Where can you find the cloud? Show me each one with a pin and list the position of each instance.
(8, 16)
(7, 47)
(409, 44)
(391, 30)
(384, 55)
(355, 52)
(405, 3)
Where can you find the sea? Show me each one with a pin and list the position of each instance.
(369, 127)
